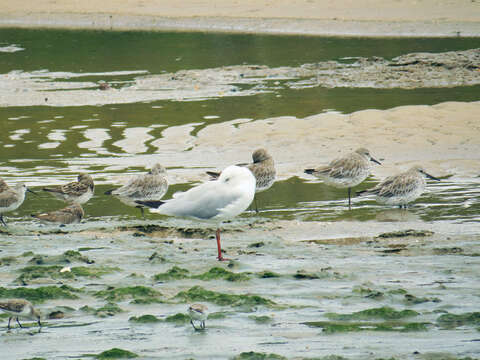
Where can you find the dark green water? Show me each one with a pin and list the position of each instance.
(40, 142)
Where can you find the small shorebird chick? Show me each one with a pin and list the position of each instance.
(20, 308)
(198, 312)
(147, 187)
(263, 168)
(347, 171)
(11, 198)
(71, 214)
(214, 201)
(79, 191)
(402, 188)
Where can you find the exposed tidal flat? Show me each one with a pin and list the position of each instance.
(309, 279)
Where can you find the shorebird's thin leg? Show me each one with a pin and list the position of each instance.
(349, 199)
(219, 247)
(18, 322)
(191, 322)
(39, 323)
(203, 324)
(256, 207)
(9, 319)
(1, 219)
(143, 212)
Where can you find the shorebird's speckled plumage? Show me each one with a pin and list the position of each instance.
(347, 171)
(198, 312)
(79, 191)
(68, 215)
(11, 198)
(20, 308)
(147, 187)
(400, 189)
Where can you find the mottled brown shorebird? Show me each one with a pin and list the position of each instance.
(11, 198)
(147, 187)
(402, 188)
(71, 214)
(79, 191)
(20, 308)
(347, 171)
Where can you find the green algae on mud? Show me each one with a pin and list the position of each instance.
(251, 355)
(178, 318)
(174, 273)
(53, 272)
(145, 319)
(405, 233)
(331, 327)
(451, 321)
(140, 294)
(109, 309)
(385, 313)
(40, 294)
(197, 293)
(263, 319)
(67, 257)
(217, 273)
(116, 353)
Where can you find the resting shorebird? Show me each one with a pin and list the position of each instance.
(215, 200)
(402, 188)
(68, 215)
(11, 198)
(148, 187)
(346, 172)
(20, 308)
(263, 168)
(198, 312)
(75, 192)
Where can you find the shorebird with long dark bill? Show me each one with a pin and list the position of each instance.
(347, 171)
(402, 188)
(11, 198)
(215, 201)
(71, 214)
(79, 191)
(20, 308)
(198, 312)
(151, 186)
(262, 167)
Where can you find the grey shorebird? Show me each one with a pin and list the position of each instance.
(68, 215)
(147, 187)
(347, 171)
(262, 167)
(20, 308)
(198, 312)
(402, 188)
(214, 201)
(79, 191)
(11, 198)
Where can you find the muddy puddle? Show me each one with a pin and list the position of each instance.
(308, 279)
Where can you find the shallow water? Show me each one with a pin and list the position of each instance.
(328, 259)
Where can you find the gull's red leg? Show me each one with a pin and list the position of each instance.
(219, 247)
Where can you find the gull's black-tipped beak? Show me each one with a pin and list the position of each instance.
(375, 161)
(430, 176)
(31, 191)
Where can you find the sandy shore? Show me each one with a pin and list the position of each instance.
(313, 17)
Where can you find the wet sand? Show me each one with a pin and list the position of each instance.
(337, 18)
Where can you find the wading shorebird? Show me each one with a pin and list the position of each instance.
(198, 312)
(11, 198)
(71, 214)
(402, 188)
(20, 308)
(216, 200)
(79, 191)
(347, 171)
(147, 187)
(263, 168)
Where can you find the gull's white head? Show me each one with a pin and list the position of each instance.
(238, 176)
